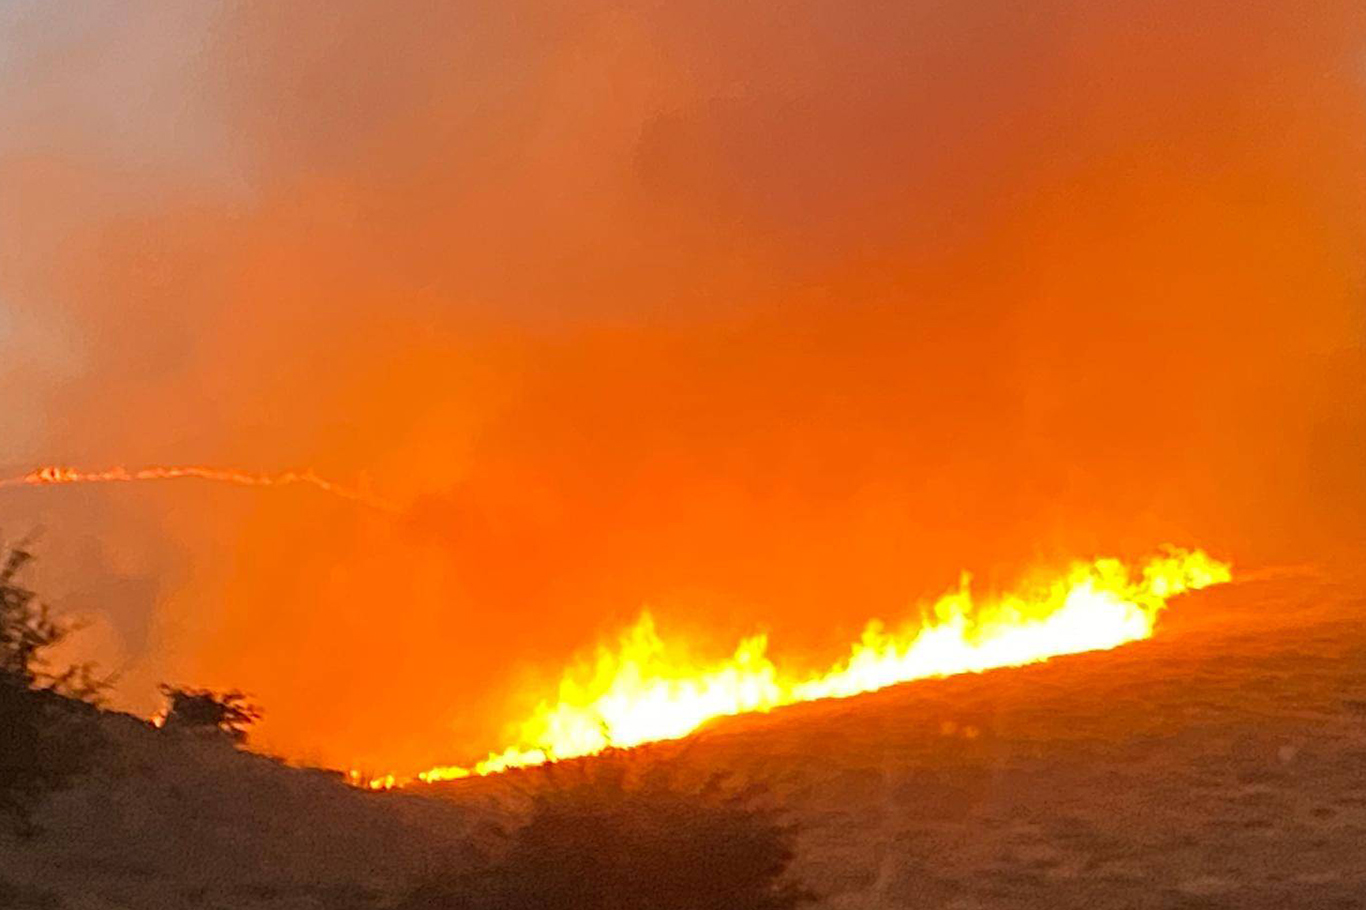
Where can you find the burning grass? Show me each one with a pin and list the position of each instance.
(648, 690)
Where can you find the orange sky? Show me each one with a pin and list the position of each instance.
(768, 318)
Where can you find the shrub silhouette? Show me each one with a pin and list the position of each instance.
(49, 732)
(198, 710)
(27, 627)
(600, 835)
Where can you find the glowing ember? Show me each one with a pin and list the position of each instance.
(646, 690)
(57, 476)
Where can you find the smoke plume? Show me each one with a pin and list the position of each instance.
(766, 316)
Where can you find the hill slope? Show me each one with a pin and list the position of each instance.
(170, 821)
(1222, 764)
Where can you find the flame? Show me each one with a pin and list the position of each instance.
(645, 690)
(56, 475)
(358, 779)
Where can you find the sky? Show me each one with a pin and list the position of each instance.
(765, 316)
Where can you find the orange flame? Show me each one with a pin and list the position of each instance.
(645, 690)
(55, 475)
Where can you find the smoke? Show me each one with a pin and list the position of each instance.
(766, 317)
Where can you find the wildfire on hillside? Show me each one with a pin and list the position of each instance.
(647, 689)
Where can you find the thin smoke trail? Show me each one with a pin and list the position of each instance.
(53, 475)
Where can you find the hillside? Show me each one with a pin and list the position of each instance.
(185, 821)
(1222, 764)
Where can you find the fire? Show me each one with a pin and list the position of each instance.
(647, 690)
(55, 475)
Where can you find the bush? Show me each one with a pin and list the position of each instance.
(204, 710)
(27, 627)
(48, 731)
(601, 836)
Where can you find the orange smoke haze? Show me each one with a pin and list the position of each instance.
(762, 318)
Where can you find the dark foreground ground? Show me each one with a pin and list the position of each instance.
(1222, 764)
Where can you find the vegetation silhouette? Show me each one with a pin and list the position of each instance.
(204, 710)
(623, 830)
(48, 719)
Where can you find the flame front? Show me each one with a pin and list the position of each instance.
(57, 475)
(645, 690)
